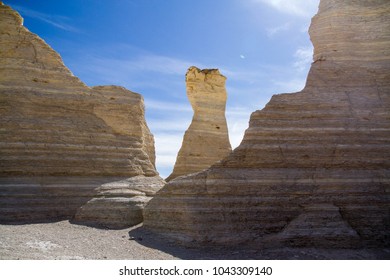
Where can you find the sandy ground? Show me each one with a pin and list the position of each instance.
(63, 240)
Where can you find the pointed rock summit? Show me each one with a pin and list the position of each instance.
(313, 168)
(206, 141)
(60, 140)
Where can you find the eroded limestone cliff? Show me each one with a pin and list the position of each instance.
(313, 168)
(60, 139)
(206, 141)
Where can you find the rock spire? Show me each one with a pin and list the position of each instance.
(206, 141)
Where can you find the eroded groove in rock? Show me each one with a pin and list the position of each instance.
(206, 141)
(325, 148)
(54, 126)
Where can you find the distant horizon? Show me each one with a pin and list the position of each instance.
(146, 46)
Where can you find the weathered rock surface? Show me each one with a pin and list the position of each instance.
(319, 225)
(119, 204)
(59, 139)
(206, 141)
(314, 167)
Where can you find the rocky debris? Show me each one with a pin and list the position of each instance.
(206, 141)
(60, 139)
(326, 145)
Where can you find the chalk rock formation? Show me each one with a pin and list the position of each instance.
(119, 204)
(206, 141)
(60, 140)
(314, 166)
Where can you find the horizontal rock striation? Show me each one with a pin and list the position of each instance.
(54, 126)
(119, 204)
(313, 168)
(206, 141)
(46, 198)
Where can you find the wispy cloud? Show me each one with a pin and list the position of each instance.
(167, 147)
(238, 120)
(113, 68)
(161, 82)
(145, 63)
(54, 20)
(289, 86)
(272, 31)
(301, 8)
(161, 64)
(168, 106)
(303, 58)
(168, 121)
(247, 75)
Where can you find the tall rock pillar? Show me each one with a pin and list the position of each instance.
(206, 141)
(313, 168)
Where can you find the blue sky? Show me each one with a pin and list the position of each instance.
(261, 46)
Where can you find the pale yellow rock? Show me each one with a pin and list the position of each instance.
(27, 61)
(125, 113)
(317, 157)
(206, 141)
(54, 126)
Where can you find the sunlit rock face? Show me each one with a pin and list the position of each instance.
(60, 139)
(313, 168)
(206, 141)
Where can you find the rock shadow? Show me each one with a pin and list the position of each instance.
(193, 251)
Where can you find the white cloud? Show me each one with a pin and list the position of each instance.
(249, 76)
(168, 122)
(301, 8)
(238, 119)
(303, 58)
(167, 146)
(161, 64)
(143, 63)
(155, 73)
(167, 106)
(293, 85)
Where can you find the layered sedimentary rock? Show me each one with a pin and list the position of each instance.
(60, 140)
(119, 204)
(313, 168)
(206, 141)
